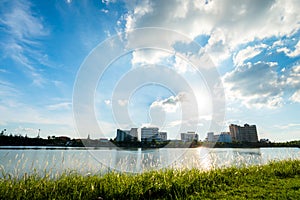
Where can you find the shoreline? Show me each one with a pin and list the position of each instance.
(65, 142)
(130, 148)
(275, 180)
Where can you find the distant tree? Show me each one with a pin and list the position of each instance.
(153, 141)
(3, 131)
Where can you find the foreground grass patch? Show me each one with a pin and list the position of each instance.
(277, 180)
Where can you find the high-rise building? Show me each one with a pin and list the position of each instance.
(127, 135)
(148, 134)
(223, 137)
(189, 136)
(248, 133)
(162, 136)
(134, 132)
(152, 133)
(210, 137)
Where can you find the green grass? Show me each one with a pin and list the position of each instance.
(277, 180)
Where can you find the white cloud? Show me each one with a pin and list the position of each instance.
(228, 23)
(284, 50)
(293, 77)
(23, 29)
(60, 106)
(247, 53)
(296, 69)
(144, 57)
(296, 97)
(296, 52)
(260, 85)
(175, 123)
(22, 23)
(104, 11)
(182, 66)
(14, 110)
(277, 43)
(7, 89)
(122, 102)
(107, 102)
(26, 129)
(289, 52)
(255, 85)
(288, 126)
(107, 2)
(217, 48)
(144, 7)
(169, 105)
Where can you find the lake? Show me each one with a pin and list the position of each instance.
(21, 160)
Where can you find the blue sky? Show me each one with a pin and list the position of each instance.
(253, 45)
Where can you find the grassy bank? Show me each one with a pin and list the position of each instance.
(277, 180)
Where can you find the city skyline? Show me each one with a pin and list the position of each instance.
(253, 45)
(236, 132)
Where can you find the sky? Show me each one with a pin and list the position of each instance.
(182, 66)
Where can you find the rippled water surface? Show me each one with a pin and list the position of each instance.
(16, 162)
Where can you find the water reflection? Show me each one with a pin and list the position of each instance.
(56, 161)
(235, 157)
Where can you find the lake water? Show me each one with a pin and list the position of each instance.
(54, 161)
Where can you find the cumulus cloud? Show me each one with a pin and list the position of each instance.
(296, 97)
(263, 85)
(228, 24)
(292, 80)
(247, 53)
(291, 53)
(255, 85)
(169, 105)
(182, 66)
(147, 56)
(293, 77)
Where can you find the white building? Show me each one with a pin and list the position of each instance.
(147, 134)
(189, 136)
(150, 133)
(210, 137)
(223, 137)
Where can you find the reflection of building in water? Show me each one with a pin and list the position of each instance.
(127, 135)
(152, 133)
(248, 133)
(223, 137)
(189, 136)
